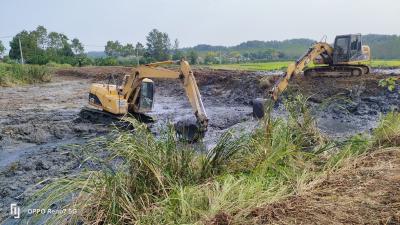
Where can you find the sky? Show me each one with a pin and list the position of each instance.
(192, 22)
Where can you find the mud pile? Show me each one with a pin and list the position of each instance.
(366, 191)
(347, 105)
(97, 73)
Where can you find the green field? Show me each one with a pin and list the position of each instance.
(385, 63)
(269, 66)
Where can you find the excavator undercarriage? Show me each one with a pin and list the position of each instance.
(337, 71)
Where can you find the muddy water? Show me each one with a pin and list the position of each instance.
(35, 123)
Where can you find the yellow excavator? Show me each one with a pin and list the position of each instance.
(136, 97)
(347, 57)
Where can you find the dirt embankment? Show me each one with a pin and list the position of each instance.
(366, 191)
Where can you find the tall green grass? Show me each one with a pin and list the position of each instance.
(11, 74)
(162, 181)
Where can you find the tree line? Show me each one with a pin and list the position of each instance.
(158, 47)
(41, 47)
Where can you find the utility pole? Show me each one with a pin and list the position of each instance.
(220, 57)
(137, 57)
(20, 51)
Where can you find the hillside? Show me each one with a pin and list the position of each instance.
(382, 46)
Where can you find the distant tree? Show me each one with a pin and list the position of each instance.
(193, 57)
(38, 47)
(128, 50)
(176, 53)
(139, 49)
(54, 40)
(28, 44)
(158, 45)
(41, 36)
(113, 49)
(66, 49)
(77, 47)
(236, 55)
(211, 58)
(2, 48)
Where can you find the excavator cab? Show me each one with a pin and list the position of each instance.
(348, 48)
(146, 96)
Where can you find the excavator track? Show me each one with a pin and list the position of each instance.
(337, 71)
(102, 117)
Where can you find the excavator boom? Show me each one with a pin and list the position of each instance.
(293, 69)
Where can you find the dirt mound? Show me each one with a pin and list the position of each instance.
(94, 72)
(366, 191)
(239, 87)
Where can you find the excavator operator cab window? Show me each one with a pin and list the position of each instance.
(355, 47)
(341, 51)
(146, 96)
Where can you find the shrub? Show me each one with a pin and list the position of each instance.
(23, 74)
(388, 131)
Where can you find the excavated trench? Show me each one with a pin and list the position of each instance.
(38, 126)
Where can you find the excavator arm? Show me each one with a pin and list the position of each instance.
(131, 88)
(320, 48)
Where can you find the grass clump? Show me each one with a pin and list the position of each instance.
(388, 131)
(11, 74)
(161, 181)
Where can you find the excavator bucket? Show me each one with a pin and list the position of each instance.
(188, 130)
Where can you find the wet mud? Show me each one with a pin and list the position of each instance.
(38, 124)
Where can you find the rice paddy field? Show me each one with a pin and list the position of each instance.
(279, 65)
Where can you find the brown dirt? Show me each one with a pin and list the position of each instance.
(94, 72)
(366, 191)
